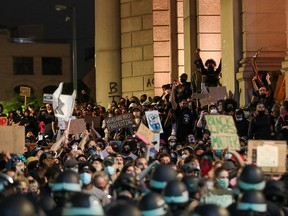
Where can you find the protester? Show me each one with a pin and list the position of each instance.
(180, 168)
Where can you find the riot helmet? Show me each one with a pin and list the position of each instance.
(161, 176)
(252, 200)
(83, 204)
(153, 204)
(66, 184)
(251, 178)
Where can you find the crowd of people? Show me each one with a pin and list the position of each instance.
(103, 172)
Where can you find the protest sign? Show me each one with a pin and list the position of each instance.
(95, 119)
(223, 132)
(63, 105)
(144, 133)
(199, 95)
(270, 155)
(207, 101)
(3, 121)
(47, 98)
(119, 121)
(77, 126)
(218, 93)
(12, 139)
(25, 91)
(223, 200)
(153, 121)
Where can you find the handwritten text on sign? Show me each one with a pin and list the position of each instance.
(119, 121)
(223, 132)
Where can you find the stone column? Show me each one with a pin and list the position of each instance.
(107, 51)
(230, 44)
(190, 35)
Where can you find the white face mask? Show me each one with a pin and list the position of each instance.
(213, 111)
(227, 156)
(184, 156)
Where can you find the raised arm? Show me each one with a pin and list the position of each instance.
(173, 99)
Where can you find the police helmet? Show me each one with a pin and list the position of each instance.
(153, 204)
(83, 204)
(161, 176)
(252, 200)
(176, 192)
(251, 178)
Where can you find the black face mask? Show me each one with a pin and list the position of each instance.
(261, 113)
(211, 69)
(126, 151)
(182, 80)
(229, 109)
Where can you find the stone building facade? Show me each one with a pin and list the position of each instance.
(141, 45)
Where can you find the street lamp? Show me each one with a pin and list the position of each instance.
(74, 44)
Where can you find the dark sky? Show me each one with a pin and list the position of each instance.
(28, 12)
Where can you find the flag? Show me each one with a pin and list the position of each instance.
(63, 105)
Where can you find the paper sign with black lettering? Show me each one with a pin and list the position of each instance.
(119, 121)
(223, 132)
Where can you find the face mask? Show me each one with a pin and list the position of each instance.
(229, 109)
(86, 178)
(213, 111)
(218, 152)
(109, 170)
(182, 80)
(172, 143)
(210, 68)
(261, 112)
(223, 183)
(184, 156)
(227, 156)
(239, 119)
(125, 151)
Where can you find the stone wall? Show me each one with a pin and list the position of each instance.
(137, 47)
